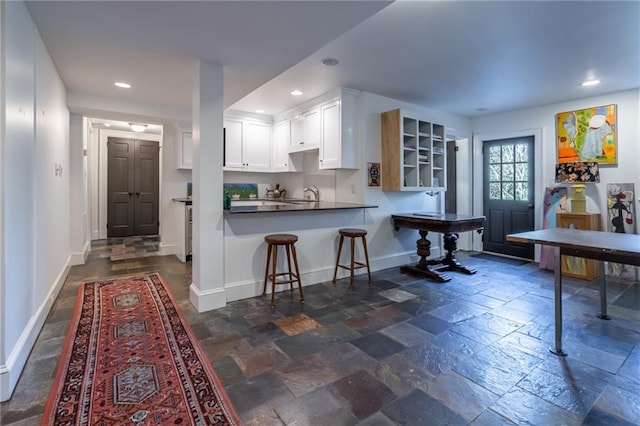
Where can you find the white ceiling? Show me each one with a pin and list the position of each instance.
(452, 56)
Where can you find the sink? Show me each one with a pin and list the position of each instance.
(253, 203)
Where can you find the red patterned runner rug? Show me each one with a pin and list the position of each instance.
(131, 358)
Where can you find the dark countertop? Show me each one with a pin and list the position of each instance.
(298, 206)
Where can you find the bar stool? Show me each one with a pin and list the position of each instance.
(353, 234)
(270, 274)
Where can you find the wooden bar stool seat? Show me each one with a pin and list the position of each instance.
(286, 277)
(352, 233)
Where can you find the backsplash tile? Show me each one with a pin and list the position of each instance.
(244, 190)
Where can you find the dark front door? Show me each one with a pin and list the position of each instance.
(508, 194)
(132, 187)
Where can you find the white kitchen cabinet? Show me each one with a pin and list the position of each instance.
(338, 148)
(280, 160)
(233, 144)
(247, 145)
(185, 150)
(305, 131)
(414, 156)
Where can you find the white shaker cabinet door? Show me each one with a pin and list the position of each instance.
(233, 145)
(331, 143)
(257, 146)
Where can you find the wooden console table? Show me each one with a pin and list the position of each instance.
(601, 246)
(449, 225)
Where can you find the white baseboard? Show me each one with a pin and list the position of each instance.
(169, 249)
(79, 258)
(205, 301)
(251, 288)
(18, 355)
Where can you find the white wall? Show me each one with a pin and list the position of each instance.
(543, 119)
(383, 240)
(79, 239)
(36, 221)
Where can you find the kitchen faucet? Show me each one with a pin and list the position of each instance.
(313, 189)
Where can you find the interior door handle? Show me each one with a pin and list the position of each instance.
(138, 194)
(530, 206)
(130, 194)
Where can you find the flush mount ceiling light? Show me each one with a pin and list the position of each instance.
(260, 111)
(107, 125)
(592, 82)
(329, 62)
(137, 127)
(123, 85)
(296, 93)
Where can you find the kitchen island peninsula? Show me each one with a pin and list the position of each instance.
(316, 223)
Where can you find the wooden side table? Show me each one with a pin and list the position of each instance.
(578, 267)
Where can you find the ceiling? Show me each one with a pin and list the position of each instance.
(468, 58)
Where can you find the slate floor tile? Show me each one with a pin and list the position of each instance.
(377, 346)
(407, 334)
(258, 394)
(431, 324)
(418, 408)
(318, 408)
(306, 374)
(521, 407)
(620, 403)
(363, 393)
(296, 324)
(459, 394)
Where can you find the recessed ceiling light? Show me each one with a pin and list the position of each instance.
(329, 62)
(107, 125)
(260, 111)
(591, 83)
(123, 85)
(296, 93)
(137, 127)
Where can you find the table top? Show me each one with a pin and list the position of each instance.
(610, 246)
(438, 222)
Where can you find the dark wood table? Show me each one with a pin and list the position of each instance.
(602, 246)
(447, 224)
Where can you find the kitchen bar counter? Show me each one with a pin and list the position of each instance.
(290, 205)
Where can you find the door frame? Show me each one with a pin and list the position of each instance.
(103, 136)
(478, 174)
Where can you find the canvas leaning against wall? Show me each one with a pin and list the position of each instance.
(589, 134)
(621, 218)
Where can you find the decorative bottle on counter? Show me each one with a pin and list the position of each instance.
(226, 204)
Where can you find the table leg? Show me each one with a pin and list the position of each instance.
(603, 293)
(449, 261)
(558, 301)
(422, 268)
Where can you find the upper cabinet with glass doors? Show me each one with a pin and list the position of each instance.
(414, 155)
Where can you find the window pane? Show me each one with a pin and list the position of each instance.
(494, 191)
(507, 172)
(507, 153)
(494, 172)
(522, 191)
(507, 191)
(494, 154)
(521, 152)
(522, 172)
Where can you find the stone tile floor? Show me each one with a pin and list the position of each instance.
(400, 350)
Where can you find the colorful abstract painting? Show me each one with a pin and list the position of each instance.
(589, 134)
(621, 218)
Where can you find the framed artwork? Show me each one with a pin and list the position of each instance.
(373, 174)
(589, 134)
(621, 218)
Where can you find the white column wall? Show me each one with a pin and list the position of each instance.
(207, 290)
(78, 240)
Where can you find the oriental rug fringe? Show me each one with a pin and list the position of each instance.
(130, 358)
